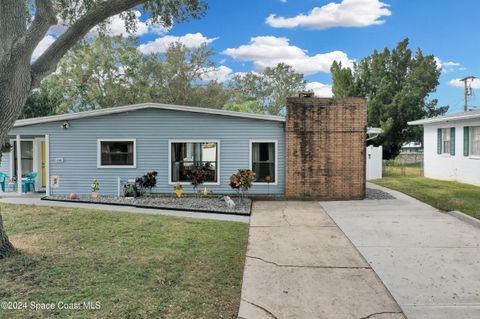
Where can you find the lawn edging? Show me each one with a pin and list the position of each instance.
(199, 210)
(465, 218)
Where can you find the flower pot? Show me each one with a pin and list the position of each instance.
(179, 192)
(94, 195)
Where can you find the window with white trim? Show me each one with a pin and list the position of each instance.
(187, 156)
(446, 140)
(263, 161)
(116, 153)
(475, 140)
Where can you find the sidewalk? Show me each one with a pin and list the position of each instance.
(300, 265)
(429, 260)
(34, 199)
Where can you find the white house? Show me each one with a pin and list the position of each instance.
(452, 147)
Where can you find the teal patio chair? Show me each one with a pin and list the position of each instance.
(3, 179)
(28, 184)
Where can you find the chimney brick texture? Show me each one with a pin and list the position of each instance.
(325, 148)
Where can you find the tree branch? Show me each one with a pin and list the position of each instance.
(45, 17)
(48, 61)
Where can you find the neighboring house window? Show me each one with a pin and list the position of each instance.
(446, 141)
(116, 153)
(475, 140)
(263, 161)
(186, 156)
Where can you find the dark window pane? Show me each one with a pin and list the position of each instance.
(117, 153)
(27, 157)
(186, 156)
(264, 172)
(263, 162)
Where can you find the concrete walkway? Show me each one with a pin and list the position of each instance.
(429, 260)
(300, 265)
(34, 199)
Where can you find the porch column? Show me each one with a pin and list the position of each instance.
(19, 165)
(47, 160)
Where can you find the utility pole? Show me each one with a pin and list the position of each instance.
(468, 90)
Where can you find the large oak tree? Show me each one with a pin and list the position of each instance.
(24, 23)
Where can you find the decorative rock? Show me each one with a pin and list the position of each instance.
(73, 196)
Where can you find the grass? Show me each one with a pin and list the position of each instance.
(135, 265)
(395, 168)
(445, 195)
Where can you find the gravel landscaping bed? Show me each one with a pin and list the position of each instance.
(377, 194)
(209, 204)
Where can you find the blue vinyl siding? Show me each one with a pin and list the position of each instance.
(152, 129)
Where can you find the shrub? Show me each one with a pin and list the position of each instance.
(197, 176)
(242, 180)
(147, 181)
(130, 190)
(95, 186)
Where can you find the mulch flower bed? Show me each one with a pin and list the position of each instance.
(209, 204)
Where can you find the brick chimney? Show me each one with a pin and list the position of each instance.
(325, 148)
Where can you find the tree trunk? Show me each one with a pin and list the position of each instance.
(6, 247)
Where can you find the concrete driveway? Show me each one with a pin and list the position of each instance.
(429, 260)
(300, 265)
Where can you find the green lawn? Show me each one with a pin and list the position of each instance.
(135, 265)
(444, 195)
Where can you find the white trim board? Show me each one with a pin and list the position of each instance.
(250, 159)
(99, 152)
(193, 141)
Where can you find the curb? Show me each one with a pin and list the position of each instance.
(465, 218)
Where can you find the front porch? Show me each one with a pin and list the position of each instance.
(28, 155)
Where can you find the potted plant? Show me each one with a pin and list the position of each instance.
(129, 190)
(95, 188)
(242, 180)
(178, 189)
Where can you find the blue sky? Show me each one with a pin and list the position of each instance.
(245, 39)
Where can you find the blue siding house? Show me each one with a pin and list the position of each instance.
(68, 151)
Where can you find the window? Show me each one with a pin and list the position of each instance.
(26, 157)
(475, 141)
(116, 153)
(185, 156)
(263, 161)
(446, 140)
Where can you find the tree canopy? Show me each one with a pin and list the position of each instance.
(397, 84)
(266, 92)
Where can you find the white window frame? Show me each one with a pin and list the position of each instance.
(449, 130)
(99, 152)
(170, 142)
(470, 142)
(250, 159)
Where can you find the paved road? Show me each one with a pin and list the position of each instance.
(35, 200)
(429, 260)
(300, 265)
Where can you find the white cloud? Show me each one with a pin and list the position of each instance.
(42, 46)
(457, 83)
(348, 13)
(320, 89)
(268, 51)
(220, 74)
(160, 45)
(448, 66)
